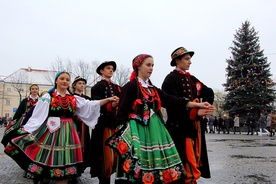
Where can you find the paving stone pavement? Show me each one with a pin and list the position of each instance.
(234, 159)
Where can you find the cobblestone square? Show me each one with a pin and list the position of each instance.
(233, 159)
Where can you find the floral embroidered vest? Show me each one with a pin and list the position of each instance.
(63, 107)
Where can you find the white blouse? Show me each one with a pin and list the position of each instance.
(88, 111)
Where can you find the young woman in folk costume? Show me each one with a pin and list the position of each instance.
(52, 149)
(25, 105)
(147, 152)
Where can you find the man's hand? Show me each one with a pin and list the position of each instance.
(207, 111)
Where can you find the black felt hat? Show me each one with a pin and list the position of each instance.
(180, 52)
(78, 78)
(105, 63)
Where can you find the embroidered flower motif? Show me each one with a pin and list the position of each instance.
(33, 168)
(167, 176)
(10, 149)
(174, 174)
(148, 178)
(21, 131)
(71, 170)
(127, 164)
(54, 103)
(180, 52)
(57, 172)
(52, 123)
(146, 115)
(73, 103)
(122, 147)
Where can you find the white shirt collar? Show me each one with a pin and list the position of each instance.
(145, 84)
(67, 92)
(33, 98)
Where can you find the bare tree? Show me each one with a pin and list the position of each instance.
(58, 65)
(18, 82)
(121, 75)
(82, 69)
(87, 71)
(218, 102)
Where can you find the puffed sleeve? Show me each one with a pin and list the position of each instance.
(88, 111)
(39, 115)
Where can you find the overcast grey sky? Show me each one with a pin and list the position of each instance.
(34, 33)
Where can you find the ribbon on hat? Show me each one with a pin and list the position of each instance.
(178, 52)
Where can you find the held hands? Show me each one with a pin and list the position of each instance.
(204, 105)
(113, 99)
(115, 103)
(110, 99)
(205, 108)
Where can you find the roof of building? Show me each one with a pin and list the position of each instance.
(2, 77)
(31, 76)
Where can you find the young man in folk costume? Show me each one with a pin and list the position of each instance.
(185, 128)
(77, 88)
(103, 159)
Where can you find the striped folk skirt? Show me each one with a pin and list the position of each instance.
(147, 152)
(56, 155)
(11, 131)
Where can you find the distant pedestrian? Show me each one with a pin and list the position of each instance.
(230, 123)
(205, 123)
(211, 124)
(269, 125)
(249, 124)
(225, 126)
(237, 124)
(216, 124)
(253, 125)
(262, 123)
(220, 124)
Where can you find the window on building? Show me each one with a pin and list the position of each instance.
(7, 115)
(9, 89)
(8, 102)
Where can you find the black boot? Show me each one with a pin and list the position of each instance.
(122, 181)
(103, 180)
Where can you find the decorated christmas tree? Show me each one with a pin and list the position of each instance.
(249, 86)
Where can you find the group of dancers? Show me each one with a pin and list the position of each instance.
(49, 135)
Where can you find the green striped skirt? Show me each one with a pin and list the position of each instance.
(147, 152)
